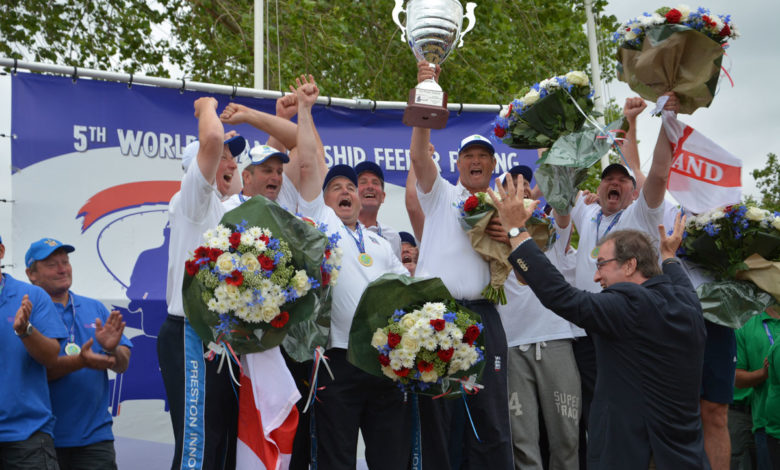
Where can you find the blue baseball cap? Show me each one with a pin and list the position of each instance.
(260, 153)
(370, 167)
(407, 237)
(340, 170)
(527, 172)
(237, 145)
(43, 248)
(476, 139)
(1, 240)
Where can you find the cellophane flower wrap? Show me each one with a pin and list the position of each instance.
(740, 246)
(545, 111)
(412, 331)
(262, 276)
(674, 49)
(476, 212)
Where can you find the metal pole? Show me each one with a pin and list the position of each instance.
(595, 68)
(259, 44)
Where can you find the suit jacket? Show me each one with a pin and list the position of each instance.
(649, 342)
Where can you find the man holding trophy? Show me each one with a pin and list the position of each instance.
(449, 437)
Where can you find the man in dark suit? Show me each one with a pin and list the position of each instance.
(649, 336)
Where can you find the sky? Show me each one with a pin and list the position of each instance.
(744, 119)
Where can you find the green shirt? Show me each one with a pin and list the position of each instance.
(752, 347)
(772, 407)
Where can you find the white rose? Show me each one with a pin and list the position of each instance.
(755, 214)
(226, 263)
(776, 223)
(531, 97)
(408, 321)
(430, 376)
(577, 78)
(300, 282)
(379, 339)
(388, 371)
(250, 262)
(685, 11)
(410, 344)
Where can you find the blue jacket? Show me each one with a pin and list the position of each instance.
(649, 342)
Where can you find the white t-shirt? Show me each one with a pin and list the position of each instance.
(353, 277)
(288, 197)
(192, 211)
(388, 234)
(637, 216)
(525, 319)
(445, 250)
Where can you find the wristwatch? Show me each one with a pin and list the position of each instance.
(27, 331)
(515, 231)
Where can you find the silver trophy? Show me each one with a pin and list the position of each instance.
(433, 28)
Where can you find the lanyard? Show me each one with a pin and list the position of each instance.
(768, 333)
(359, 239)
(2, 283)
(71, 335)
(241, 197)
(379, 229)
(611, 224)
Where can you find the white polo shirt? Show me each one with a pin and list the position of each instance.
(445, 250)
(389, 234)
(637, 216)
(288, 197)
(525, 319)
(192, 211)
(353, 277)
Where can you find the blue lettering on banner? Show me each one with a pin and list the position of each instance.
(194, 391)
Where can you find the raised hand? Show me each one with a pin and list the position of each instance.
(204, 103)
(306, 91)
(234, 113)
(109, 335)
(670, 244)
(287, 106)
(22, 317)
(633, 108)
(673, 103)
(425, 71)
(94, 360)
(510, 203)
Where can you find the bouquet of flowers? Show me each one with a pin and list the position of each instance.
(476, 212)
(674, 49)
(412, 331)
(259, 273)
(740, 246)
(547, 110)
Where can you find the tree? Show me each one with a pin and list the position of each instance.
(352, 47)
(768, 183)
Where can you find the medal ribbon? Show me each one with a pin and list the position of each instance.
(359, 239)
(609, 227)
(2, 284)
(71, 335)
(768, 333)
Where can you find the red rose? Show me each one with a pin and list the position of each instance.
(191, 267)
(266, 263)
(673, 16)
(471, 203)
(265, 239)
(235, 278)
(235, 240)
(402, 373)
(202, 252)
(424, 366)
(471, 335)
(325, 277)
(725, 32)
(384, 360)
(393, 339)
(438, 324)
(214, 253)
(445, 354)
(499, 132)
(280, 320)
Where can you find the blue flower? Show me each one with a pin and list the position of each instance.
(517, 105)
(290, 294)
(397, 315)
(240, 228)
(278, 257)
(314, 283)
(273, 243)
(449, 317)
(480, 326)
(711, 229)
(226, 323)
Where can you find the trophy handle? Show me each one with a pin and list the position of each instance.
(470, 6)
(397, 9)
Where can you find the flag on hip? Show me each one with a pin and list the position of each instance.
(267, 416)
(703, 175)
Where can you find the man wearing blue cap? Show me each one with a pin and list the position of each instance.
(29, 342)
(203, 405)
(409, 251)
(78, 382)
(446, 252)
(353, 400)
(371, 189)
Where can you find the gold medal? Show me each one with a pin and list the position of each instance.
(72, 349)
(595, 253)
(365, 259)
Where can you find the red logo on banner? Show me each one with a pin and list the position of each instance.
(703, 169)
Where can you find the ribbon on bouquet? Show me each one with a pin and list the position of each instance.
(224, 350)
(416, 434)
(605, 134)
(467, 386)
(319, 358)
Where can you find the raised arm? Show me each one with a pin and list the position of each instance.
(413, 208)
(422, 163)
(211, 136)
(310, 185)
(43, 349)
(630, 148)
(286, 108)
(280, 128)
(655, 183)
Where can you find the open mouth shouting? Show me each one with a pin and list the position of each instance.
(613, 195)
(345, 202)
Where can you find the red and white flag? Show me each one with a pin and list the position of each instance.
(704, 175)
(267, 416)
